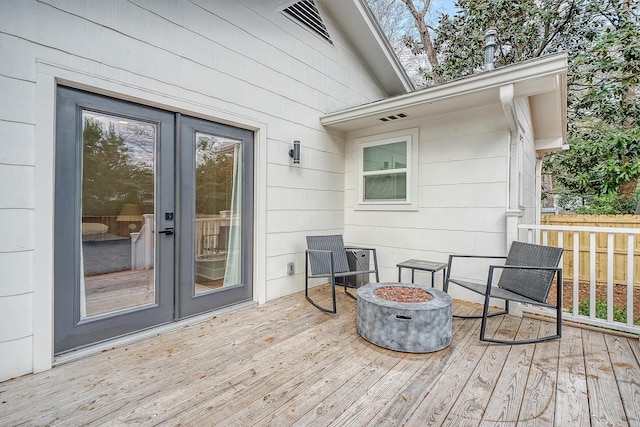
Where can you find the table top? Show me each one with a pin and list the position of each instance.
(418, 264)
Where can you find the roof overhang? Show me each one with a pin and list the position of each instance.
(542, 81)
(356, 21)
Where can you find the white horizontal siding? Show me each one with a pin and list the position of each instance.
(17, 360)
(293, 199)
(468, 194)
(15, 270)
(468, 171)
(16, 229)
(241, 63)
(462, 193)
(17, 143)
(16, 317)
(18, 95)
(17, 192)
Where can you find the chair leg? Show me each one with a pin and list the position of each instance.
(350, 294)
(321, 308)
(531, 341)
(306, 291)
(482, 316)
(559, 304)
(485, 315)
(492, 314)
(536, 340)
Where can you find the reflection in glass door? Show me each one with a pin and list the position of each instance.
(218, 187)
(118, 157)
(215, 215)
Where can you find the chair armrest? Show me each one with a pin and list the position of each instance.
(375, 258)
(525, 267)
(451, 257)
(518, 267)
(479, 256)
(355, 248)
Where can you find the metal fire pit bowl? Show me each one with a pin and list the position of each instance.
(412, 327)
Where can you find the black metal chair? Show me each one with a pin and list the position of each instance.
(326, 257)
(526, 277)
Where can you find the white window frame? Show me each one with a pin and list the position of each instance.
(410, 136)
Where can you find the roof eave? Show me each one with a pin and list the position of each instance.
(361, 28)
(542, 79)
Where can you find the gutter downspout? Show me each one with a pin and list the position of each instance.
(513, 212)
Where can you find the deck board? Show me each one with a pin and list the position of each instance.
(539, 399)
(627, 374)
(572, 387)
(286, 363)
(605, 402)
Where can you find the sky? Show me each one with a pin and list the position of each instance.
(446, 5)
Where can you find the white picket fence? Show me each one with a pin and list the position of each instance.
(576, 241)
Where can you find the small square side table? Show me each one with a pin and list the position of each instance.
(417, 264)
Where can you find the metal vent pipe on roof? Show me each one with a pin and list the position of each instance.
(490, 46)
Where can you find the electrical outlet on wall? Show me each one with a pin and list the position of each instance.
(290, 269)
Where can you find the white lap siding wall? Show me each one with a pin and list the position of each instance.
(241, 63)
(462, 192)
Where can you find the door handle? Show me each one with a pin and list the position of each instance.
(168, 231)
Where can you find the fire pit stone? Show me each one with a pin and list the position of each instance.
(413, 327)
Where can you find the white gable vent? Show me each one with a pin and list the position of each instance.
(306, 13)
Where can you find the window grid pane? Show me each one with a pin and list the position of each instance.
(385, 157)
(385, 187)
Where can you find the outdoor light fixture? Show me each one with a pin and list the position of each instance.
(294, 153)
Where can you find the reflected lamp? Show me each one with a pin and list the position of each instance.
(132, 214)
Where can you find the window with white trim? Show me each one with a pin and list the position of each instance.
(388, 170)
(384, 171)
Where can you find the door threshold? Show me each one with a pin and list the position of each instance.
(141, 335)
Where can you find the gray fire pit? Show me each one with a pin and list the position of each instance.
(413, 327)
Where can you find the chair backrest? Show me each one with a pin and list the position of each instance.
(533, 284)
(320, 263)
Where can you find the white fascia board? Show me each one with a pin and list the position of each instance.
(548, 145)
(358, 24)
(385, 46)
(488, 82)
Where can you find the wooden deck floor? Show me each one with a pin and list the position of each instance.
(285, 363)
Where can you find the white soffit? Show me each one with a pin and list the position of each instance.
(541, 80)
(357, 23)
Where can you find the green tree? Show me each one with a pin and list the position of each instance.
(109, 176)
(214, 176)
(601, 38)
(526, 30)
(602, 165)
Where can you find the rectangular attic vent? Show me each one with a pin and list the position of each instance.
(394, 117)
(306, 13)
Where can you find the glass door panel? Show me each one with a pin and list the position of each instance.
(216, 228)
(118, 158)
(218, 186)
